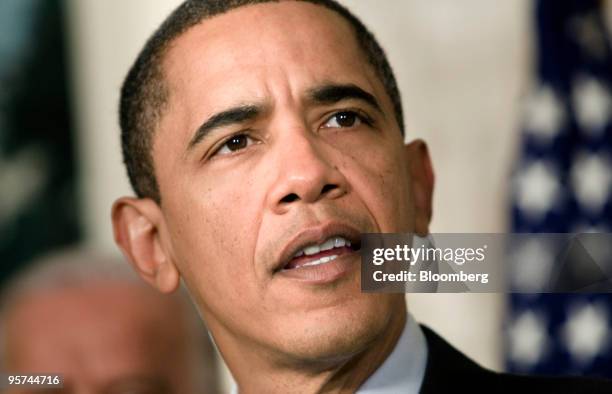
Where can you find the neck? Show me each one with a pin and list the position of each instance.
(256, 373)
(352, 374)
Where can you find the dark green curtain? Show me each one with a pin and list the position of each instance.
(38, 205)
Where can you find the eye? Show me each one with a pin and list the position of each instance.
(344, 119)
(235, 143)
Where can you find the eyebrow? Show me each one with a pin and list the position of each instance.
(325, 94)
(333, 93)
(224, 118)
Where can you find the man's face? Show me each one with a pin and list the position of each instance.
(300, 145)
(104, 338)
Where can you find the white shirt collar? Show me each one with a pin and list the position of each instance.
(403, 371)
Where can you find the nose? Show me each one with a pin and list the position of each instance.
(305, 172)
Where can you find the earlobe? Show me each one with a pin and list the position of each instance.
(422, 184)
(136, 225)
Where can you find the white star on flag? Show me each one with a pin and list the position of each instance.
(586, 331)
(591, 177)
(591, 103)
(532, 262)
(544, 113)
(537, 189)
(528, 339)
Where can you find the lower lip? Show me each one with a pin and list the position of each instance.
(323, 273)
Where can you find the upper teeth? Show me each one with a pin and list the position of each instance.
(330, 243)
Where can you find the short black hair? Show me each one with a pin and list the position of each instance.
(144, 92)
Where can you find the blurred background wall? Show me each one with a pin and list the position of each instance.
(462, 68)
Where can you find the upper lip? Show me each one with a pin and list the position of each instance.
(316, 235)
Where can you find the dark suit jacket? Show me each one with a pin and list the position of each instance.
(449, 371)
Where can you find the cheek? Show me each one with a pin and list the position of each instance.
(213, 231)
(380, 179)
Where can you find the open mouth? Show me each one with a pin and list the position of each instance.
(323, 253)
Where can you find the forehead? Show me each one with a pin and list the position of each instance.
(249, 51)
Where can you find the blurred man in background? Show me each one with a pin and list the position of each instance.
(88, 318)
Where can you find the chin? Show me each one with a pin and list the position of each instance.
(340, 332)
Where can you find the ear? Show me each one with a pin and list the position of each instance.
(137, 224)
(422, 179)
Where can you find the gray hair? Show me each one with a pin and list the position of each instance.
(81, 267)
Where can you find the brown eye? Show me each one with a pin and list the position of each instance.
(235, 143)
(343, 119)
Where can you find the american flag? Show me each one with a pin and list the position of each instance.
(562, 183)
